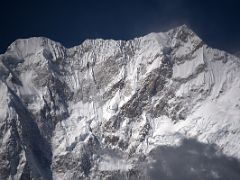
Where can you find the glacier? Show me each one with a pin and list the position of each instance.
(102, 109)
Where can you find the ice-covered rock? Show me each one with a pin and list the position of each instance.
(97, 110)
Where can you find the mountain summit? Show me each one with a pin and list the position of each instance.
(110, 109)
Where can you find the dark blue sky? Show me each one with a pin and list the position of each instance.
(70, 22)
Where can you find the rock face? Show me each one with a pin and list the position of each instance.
(101, 110)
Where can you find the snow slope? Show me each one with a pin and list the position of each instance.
(99, 109)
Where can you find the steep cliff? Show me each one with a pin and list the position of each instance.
(101, 110)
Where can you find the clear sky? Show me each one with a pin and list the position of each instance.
(70, 22)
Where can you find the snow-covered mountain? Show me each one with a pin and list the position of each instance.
(104, 109)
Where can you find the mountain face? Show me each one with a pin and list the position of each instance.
(160, 106)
